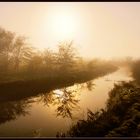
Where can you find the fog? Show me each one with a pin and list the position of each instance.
(105, 30)
(57, 59)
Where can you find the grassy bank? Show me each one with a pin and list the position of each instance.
(18, 89)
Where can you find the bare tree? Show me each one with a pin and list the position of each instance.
(21, 52)
(6, 46)
(13, 50)
(49, 58)
(66, 56)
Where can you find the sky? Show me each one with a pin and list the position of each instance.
(98, 29)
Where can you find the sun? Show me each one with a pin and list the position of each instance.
(63, 25)
(60, 25)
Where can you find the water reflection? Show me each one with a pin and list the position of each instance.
(66, 99)
(90, 85)
(47, 98)
(63, 102)
(12, 110)
(67, 102)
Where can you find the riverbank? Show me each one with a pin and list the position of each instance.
(26, 88)
(120, 118)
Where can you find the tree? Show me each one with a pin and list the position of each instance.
(21, 52)
(13, 50)
(135, 69)
(35, 64)
(66, 56)
(49, 58)
(6, 47)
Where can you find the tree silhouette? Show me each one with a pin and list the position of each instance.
(120, 118)
(66, 102)
(21, 52)
(66, 57)
(13, 50)
(6, 48)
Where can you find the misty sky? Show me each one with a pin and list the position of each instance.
(99, 29)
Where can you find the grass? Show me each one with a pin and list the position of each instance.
(27, 87)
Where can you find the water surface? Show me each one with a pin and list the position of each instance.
(48, 113)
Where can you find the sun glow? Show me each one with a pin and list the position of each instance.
(58, 92)
(60, 24)
(63, 25)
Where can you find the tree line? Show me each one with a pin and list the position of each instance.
(16, 55)
(19, 59)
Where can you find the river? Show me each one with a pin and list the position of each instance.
(53, 112)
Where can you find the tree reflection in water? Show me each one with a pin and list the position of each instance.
(11, 110)
(65, 99)
(90, 85)
(67, 102)
(47, 98)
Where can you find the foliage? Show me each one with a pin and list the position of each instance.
(20, 61)
(13, 50)
(65, 101)
(120, 118)
(135, 68)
